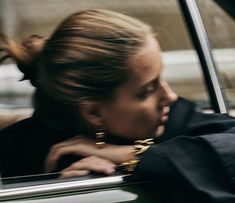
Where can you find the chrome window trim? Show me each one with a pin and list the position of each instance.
(200, 39)
(58, 188)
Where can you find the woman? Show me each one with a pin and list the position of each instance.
(99, 75)
(92, 72)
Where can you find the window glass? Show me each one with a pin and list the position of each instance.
(221, 32)
(21, 18)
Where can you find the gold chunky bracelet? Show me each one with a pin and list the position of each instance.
(129, 166)
(140, 147)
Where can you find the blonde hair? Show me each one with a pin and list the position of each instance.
(85, 58)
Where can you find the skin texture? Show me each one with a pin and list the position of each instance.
(138, 111)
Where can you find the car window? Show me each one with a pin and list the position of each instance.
(221, 32)
(20, 19)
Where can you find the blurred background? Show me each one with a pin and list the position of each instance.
(21, 18)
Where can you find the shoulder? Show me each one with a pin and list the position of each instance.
(23, 133)
(18, 127)
(209, 123)
(16, 133)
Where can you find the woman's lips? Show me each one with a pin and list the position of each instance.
(164, 118)
(165, 115)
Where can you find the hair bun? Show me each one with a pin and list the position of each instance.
(25, 54)
(34, 45)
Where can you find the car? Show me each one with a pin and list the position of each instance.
(183, 71)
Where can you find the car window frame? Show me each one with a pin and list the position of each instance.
(66, 186)
(199, 37)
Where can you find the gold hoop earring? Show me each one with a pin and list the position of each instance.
(99, 135)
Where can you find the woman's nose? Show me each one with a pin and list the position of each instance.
(168, 96)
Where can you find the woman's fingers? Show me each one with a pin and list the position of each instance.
(54, 155)
(85, 147)
(89, 164)
(76, 145)
(73, 173)
(93, 163)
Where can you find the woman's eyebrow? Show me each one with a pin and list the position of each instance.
(149, 82)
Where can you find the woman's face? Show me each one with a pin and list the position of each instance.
(140, 106)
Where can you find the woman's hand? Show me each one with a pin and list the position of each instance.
(86, 147)
(77, 145)
(87, 165)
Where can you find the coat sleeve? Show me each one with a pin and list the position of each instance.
(204, 165)
(186, 118)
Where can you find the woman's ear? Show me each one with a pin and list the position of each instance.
(91, 112)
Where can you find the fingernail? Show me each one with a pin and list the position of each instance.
(110, 171)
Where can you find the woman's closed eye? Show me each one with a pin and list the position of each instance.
(149, 89)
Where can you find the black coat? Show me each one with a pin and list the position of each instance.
(194, 161)
(25, 145)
